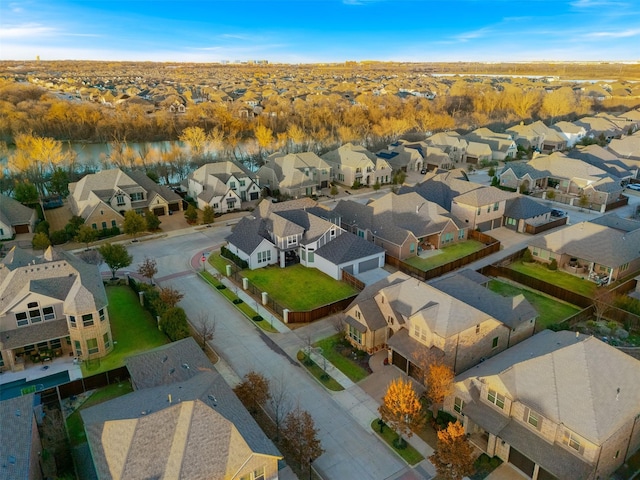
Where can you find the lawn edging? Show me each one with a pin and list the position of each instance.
(318, 373)
(409, 454)
(241, 306)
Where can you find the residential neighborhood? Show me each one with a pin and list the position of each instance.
(289, 289)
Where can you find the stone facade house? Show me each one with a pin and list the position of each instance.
(223, 186)
(102, 198)
(402, 224)
(299, 231)
(557, 406)
(604, 249)
(294, 174)
(353, 164)
(15, 218)
(456, 320)
(182, 421)
(51, 306)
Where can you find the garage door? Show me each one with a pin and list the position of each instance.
(544, 475)
(524, 464)
(368, 265)
(399, 361)
(159, 211)
(21, 228)
(174, 207)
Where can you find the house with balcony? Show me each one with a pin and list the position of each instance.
(182, 420)
(51, 306)
(102, 198)
(295, 174)
(558, 405)
(223, 186)
(403, 224)
(456, 320)
(15, 218)
(300, 231)
(355, 165)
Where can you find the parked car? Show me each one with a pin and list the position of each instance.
(634, 186)
(557, 213)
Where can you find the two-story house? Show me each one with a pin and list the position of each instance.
(51, 306)
(502, 145)
(102, 198)
(458, 321)
(571, 132)
(354, 164)
(299, 231)
(294, 174)
(223, 186)
(482, 208)
(404, 225)
(559, 405)
(452, 144)
(538, 136)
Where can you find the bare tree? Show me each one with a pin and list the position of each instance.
(602, 303)
(205, 327)
(280, 401)
(148, 269)
(338, 322)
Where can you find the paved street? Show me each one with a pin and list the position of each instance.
(351, 449)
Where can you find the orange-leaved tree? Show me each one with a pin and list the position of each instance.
(453, 457)
(401, 409)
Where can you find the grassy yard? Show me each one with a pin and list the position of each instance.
(446, 255)
(75, 427)
(551, 310)
(345, 364)
(317, 371)
(409, 454)
(243, 307)
(132, 327)
(299, 288)
(218, 262)
(562, 279)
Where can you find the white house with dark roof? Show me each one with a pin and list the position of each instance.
(223, 186)
(456, 319)
(182, 421)
(15, 218)
(556, 406)
(51, 306)
(299, 231)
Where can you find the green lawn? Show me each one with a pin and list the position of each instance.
(132, 327)
(243, 307)
(324, 378)
(75, 427)
(408, 454)
(551, 310)
(299, 288)
(446, 255)
(562, 279)
(345, 364)
(218, 262)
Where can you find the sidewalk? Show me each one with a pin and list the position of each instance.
(359, 404)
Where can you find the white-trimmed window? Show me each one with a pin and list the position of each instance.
(92, 346)
(494, 342)
(292, 240)
(120, 200)
(48, 313)
(87, 320)
(533, 419)
(355, 334)
(264, 256)
(458, 405)
(21, 319)
(106, 340)
(572, 441)
(72, 321)
(496, 398)
(101, 313)
(137, 196)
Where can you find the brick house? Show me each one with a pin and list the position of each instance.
(557, 406)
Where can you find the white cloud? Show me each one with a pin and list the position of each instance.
(26, 30)
(620, 34)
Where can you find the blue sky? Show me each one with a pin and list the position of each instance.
(305, 31)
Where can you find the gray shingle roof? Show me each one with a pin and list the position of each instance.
(40, 332)
(16, 423)
(523, 208)
(248, 233)
(348, 247)
(13, 212)
(510, 311)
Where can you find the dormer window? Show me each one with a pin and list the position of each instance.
(496, 398)
(292, 240)
(120, 200)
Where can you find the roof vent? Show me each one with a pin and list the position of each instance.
(185, 366)
(165, 358)
(18, 413)
(618, 393)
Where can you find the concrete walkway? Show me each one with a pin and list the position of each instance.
(354, 399)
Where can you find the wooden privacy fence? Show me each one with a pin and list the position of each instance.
(491, 246)
(618, 203)
(534, 229)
